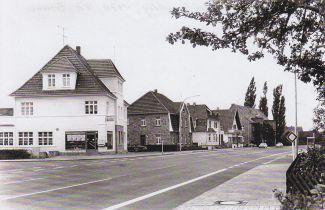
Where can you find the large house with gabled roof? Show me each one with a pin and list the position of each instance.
(206, 126)
(71, 105)
(154, 119)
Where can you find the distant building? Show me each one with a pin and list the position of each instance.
(206, 126)
(249, 117)
(230, 125)
(155, 119)
(70, 105)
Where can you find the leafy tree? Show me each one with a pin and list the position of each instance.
(257, 134)
(263, 101)
(319, 117)
(292, 31)
(268, 133)
(278, 112)
(250, 94)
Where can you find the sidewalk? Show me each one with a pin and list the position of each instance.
(103, 156)
(253, 188)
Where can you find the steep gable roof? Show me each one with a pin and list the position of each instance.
(152, 103)
(248, 113)
(147, 104)
(61, 64)
(87, 83)
(201, 111)
(226, 117)
(104, 68)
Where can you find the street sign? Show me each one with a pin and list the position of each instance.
(291, 136)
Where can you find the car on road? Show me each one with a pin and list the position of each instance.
(137, 148)
(279, 144)
(262, 145)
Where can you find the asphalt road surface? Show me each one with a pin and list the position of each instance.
(157, 182)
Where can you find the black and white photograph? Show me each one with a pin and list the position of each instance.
(162, 104)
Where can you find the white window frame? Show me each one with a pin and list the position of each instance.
(27, 108)
(158, 139)
(6, 138)
(143, 122)
(209, 137)
(158, 121)
(66, 80)
(51, 80)
(25, 138)
(45, 138)
(91, 107)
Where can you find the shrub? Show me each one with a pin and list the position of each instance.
(14, 154)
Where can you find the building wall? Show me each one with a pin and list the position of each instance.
(135, 130)
(61, 114)
(185, 126)
(115, 85)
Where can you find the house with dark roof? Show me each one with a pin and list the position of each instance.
(231, 125)
(70, 105)
(249, 118)
(206, 126)
(154, 119)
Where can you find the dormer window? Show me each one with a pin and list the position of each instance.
(51, 80)
(66, 80)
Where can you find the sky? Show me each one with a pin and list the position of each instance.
(133, 34)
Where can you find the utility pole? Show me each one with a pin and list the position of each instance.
(296, 121)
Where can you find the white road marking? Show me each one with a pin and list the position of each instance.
(274, 160)
(129, 202)
(26, 180)
(58, 167)
(41, 169)
(73, 166)
(55, 189)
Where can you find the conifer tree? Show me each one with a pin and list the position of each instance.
(263, 101)
(250, 94)
(278, 112)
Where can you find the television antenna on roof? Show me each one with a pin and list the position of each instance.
(63, 34)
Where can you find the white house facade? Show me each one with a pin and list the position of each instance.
(206, 126)
(231, 126)
(70, 105)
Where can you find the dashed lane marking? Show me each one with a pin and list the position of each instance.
(129, 202)
(55, 189)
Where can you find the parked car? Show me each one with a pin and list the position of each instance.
(262, 145)
(251, 145)
(137, 148)
(279, 144)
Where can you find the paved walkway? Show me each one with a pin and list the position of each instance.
(254, 188)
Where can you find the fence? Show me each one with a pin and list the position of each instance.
(299, 181)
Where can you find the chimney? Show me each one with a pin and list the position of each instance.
(194, 103)
(78, 49)
(155, 90)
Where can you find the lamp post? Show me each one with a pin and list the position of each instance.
(180, 122)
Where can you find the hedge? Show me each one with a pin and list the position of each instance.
(14, 154)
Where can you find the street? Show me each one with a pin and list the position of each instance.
(157, 182)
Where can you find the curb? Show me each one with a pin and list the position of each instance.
(95, 158)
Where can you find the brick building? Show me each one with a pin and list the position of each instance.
(154, 119)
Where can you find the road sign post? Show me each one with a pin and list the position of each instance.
(291, 137)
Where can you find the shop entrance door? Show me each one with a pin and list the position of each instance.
(92, 141)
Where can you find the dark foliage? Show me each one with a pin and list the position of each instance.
(278, 112)
(292, 31)
(263, 101)
(14, 154)
(250, 94)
